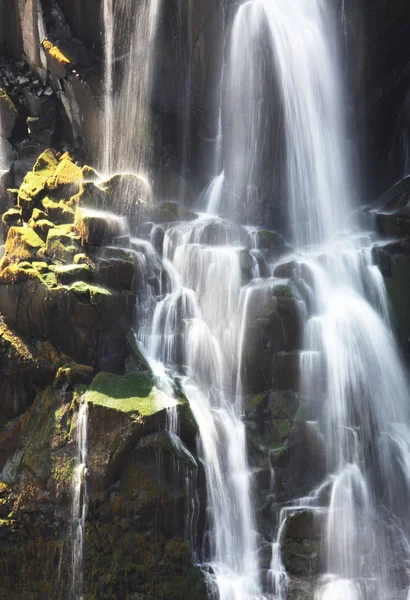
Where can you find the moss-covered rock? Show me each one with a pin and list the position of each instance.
(69, 274)
(96, 228)
(72, 374)
(31, 192)
(88, 322)
(22, 244)
(62, 244)
(12, 217)
(66, 180)
(134, 393)
(42, 227)
(46, 164)
(90, 174)
(58, 212)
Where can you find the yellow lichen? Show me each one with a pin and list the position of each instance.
(55, 53)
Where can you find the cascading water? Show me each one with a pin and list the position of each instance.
(361, 392)
(196, 325)
(351, 376)
(79, 503)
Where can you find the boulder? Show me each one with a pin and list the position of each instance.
(66, 180)
(116, 273)
(41, 227)
(58, 212)
(62, 244)
(123, 409)
(22, 244)
(97, 228)
(12, 217)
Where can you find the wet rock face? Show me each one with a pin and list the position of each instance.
(273, 331)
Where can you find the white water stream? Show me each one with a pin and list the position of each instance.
(79, 503)
(130, 33)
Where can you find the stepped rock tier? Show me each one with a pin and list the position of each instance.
(204, 300)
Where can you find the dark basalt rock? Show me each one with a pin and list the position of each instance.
(273, 332)
(26, 369)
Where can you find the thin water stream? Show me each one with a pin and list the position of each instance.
(79, 502)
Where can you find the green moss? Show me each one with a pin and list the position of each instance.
(40, 266)
(133, 393)
(62, 470)
(66, 174)
(82, 259)
(91, 292)
(46, 163)
(37, 215)
(12, 217)
(32, 187)
(22, 243)
(62, 243)
(68, 274)
(58, 212)
(73, 374)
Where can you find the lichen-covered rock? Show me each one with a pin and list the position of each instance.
(66, 179)
(22, 244)
(58, 212)
(62, 244)
(12, 217)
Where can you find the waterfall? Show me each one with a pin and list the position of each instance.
(130, 35)
(361, 402)
(282, 59)
(79, 503)
(195, 334)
